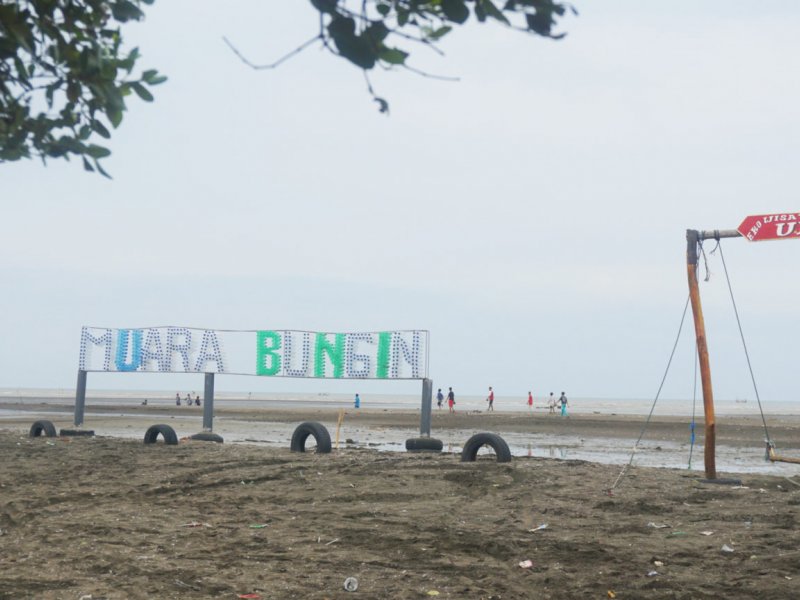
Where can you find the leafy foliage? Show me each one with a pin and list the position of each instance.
(64, 77)
(362, 35)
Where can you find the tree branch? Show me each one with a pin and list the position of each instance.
(282, 59)
(431, 75)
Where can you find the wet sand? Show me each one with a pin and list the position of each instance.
(107, 517)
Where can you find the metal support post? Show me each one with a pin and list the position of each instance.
(425, 412)
(208, 403)
(80, 398)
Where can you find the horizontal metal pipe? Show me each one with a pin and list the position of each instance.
(713, 234)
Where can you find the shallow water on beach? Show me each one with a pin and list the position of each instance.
(616, 451)
(389, 439)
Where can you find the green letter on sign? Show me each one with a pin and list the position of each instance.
(384, 342)
(334, 351)
(267, 345)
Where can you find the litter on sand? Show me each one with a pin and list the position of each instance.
(726, 548)
(706, 533)
(539, 528)
(658, 525)
(526, 564)
(351, 584)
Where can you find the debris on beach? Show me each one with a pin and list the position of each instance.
(351, 584)
(658, 525)
(539, 528)
(526, 564)
(726, 548)
(706, 533)
(196, 524)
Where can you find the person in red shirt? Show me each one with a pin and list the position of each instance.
(530, 401)
(490, 399)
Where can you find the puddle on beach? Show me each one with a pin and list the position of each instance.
(559, 447)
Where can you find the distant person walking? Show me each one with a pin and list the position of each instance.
(197, 399)
(551, 404)
(357, 402)
(490, 399)
(189, 400)
(451, 400)
(563, 402)
(530, 401)
(177, 399)
(439, 398)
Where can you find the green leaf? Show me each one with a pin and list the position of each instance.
(325, 6)
(491, 10)
(87, 166)
(361, 51)
(100, 129)
(439, 33)
(157, 79)
(377, 31)
(101, 170)
(142, 91)
(402, 16)
(96, 151)
(124, 10)
(393, 56)
(455, 10)
(151, 77)
(114, 116)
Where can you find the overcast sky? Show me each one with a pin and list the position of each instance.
(532, 216)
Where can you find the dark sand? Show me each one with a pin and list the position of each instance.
(113, 518)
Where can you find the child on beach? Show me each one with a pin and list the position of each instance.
(563, 402)
(451, 400)
(490, 399)
(439, 398)
(551, 403)
(530, 401)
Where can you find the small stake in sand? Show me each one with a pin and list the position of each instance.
(339, 422)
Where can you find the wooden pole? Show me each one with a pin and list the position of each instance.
(692, 241)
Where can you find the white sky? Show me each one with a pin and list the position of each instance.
(531, 216)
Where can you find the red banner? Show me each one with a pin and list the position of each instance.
(778, 226)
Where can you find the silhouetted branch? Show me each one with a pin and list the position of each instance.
(282, 59)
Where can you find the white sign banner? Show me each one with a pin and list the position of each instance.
(268, 352)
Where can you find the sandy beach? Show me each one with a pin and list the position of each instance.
(110, 517)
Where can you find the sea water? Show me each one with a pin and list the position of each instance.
(683, 407)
